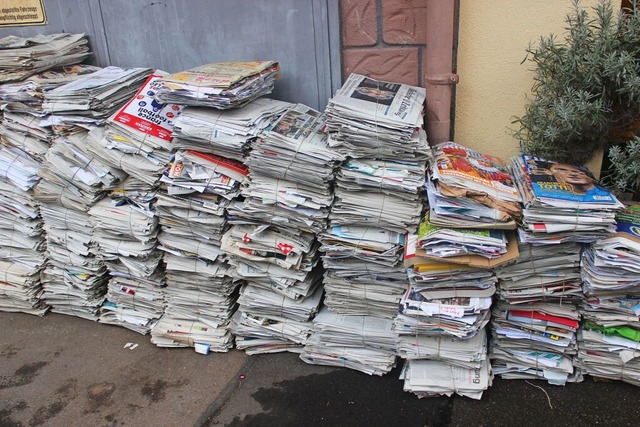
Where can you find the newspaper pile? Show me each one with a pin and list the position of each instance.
(609, 340)
(535, 320)
(283, 286)
(219, 85)
(21, 57)
(137, 138)
(227, 133)
(72, 181)
(471, 189)
(21, 233)
(441, 323)
(126, 231)
(378, 127)
(363, 343)
(292, 169)
(562, 202)
(201, 293)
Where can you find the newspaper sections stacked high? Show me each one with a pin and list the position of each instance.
(73, 180)
(201, 293)
(377, 126)
(562, 202)
(535, 320)
(21, 57)
(227, 133)
(126, 231)
(25, 144)
(219, 85)
(609, 341)
(441, 326)
(272, 241)
(444, 312)
(22, 241)
(378, 196)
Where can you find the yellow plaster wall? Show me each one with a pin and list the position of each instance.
(493, 36)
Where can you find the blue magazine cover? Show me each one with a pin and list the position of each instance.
(563, 181)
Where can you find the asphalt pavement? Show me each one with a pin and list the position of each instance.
(64, 371)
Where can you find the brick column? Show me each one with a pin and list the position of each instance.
(384, 39)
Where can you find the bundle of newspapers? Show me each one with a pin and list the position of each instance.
(21, 57)
(137, 138)
(292, 169)
(126, 230)
(363, 343)
(72, 181)
(562, 202)
(97, 95)
(201, 293)
(535, 321)
(283, 286)
(219, 85)
(227, 133)
(432, 378)
(471, 189)
(371, 118)
(610, 337)
(364, 272)
(21, 233)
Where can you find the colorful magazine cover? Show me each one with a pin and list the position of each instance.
(628, 220)
(479, 171)
(563, 181)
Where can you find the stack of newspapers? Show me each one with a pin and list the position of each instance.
(363, 343)
(137, 138)
(283, 289)
(21, 232)
(292, 169)
(378, 127)
(97, 95)
(471, 189)
(441, 325)
(74, 180)
(609, 340)
(227, 133)
(219, 85)
(535, 320)
(562, 202)
(201, 293)
(126, 231)
(21, 57)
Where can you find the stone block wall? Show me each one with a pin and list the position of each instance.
(384, 39)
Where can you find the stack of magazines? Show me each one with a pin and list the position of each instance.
(219, 85)
(363, 343)
(21, 232)
(292, 169)
(471, 189)
(21, 57)
(126, 230)
(610, 337)
(137, 138)
(227, 133)
(562, 202)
